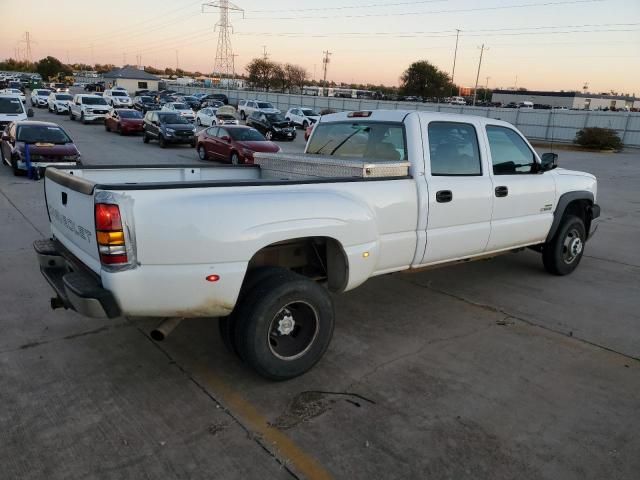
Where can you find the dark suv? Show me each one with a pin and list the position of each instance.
(168, 127)
(272, 125)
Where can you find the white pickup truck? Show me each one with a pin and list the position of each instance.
(262, 246)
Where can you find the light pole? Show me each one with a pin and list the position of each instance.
(475, 90)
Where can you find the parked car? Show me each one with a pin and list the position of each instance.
(217, 96)
(247, 107)
(124, 121)
(302, 116)
(272, 125)
(88, 108)
(264, 248)
(145, 104)
(199, 96)
(16, 92)
(233, 144)
(59, 87)
(168, 127)
(212, 104)
(193, 102)
(226, 115)
(40, 97)
(206, 117)
(181, 109)
(59, 102)
(12, 110)
(47, 142)
(117, 98)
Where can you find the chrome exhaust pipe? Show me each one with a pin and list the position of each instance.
(165, 328)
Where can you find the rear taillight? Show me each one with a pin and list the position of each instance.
(110, 234)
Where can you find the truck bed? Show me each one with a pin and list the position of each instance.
(269, 169)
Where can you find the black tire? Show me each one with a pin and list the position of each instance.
(202, 153)
(71, 116)
(82, 120)
(145, 137)
(305, 124)
(16, 171)
(284, 325)
(198, 122)
(243, 116)
(162, 142)
(252, 279)
(563, 253)
(235, 158)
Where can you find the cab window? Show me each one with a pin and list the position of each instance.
(510, 154)
(453, 149)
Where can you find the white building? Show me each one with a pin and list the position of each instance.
(132, 79)
(571, 100)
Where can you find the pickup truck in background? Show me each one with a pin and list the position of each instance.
(264, 246)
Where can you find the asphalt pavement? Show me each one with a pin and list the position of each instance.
(488, 370)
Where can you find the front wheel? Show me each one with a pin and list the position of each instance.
(162, 142)
(198, 122)
(284, 325)
(268, 135)
(562, 254)
(243, 116)
(235, 159)
(84, 122)
(145, 137)
(202, 153)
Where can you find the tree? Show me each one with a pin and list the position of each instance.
(50, 67)
(107, 67)
(296, 75)
(260, 73)
(425, 80)
(13, 65)
(279, 77)
(152, 70)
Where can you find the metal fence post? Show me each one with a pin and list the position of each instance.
(626, 127)
(546, 132)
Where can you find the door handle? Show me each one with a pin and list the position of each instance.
(444, 196)
(502, 191)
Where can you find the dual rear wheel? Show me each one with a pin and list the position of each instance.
(282, 324)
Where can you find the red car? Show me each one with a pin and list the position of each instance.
(123, 121)
(232, 143)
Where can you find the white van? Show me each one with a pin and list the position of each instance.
(12, 110)
(525, 105)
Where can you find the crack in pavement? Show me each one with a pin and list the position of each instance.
(612, 261)
(522, 319)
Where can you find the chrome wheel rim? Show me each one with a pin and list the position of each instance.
(268, 135)
(201, 153)
(293, 330)
(572, 246)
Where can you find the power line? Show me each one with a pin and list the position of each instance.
(432, 12)
(344, 7)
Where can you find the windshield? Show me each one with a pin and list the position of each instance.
(191, 99)
(246, 135)
(93, 101)
(42, 93)
(129, 114)
(307, 112)
(117, 93)
(172, 118)
(146, 100)
(264, 105)
(42, 134)
(275, 117)
(10, 105)
(180, 106)
(64, 97)
(373, 141)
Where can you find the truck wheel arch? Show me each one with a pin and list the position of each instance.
(577, 203)
(323, 259)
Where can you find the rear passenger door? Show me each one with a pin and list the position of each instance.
(459, 185)
(524, 198)
(211, 142)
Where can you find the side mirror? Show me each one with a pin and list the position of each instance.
(549, 161)
(30, 113)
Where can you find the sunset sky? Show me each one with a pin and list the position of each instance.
(546, 44)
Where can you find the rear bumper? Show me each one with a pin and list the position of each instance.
(74, 287)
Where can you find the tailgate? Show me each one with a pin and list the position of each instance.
(70, 204)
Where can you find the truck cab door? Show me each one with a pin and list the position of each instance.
(523, 197)
(459, 189)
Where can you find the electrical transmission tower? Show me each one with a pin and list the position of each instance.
(223, 64)
(27, 51)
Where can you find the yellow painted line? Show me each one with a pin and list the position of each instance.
(300, 461)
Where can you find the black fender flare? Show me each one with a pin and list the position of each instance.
(563, 202)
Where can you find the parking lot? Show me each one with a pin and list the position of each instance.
(488, 370)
